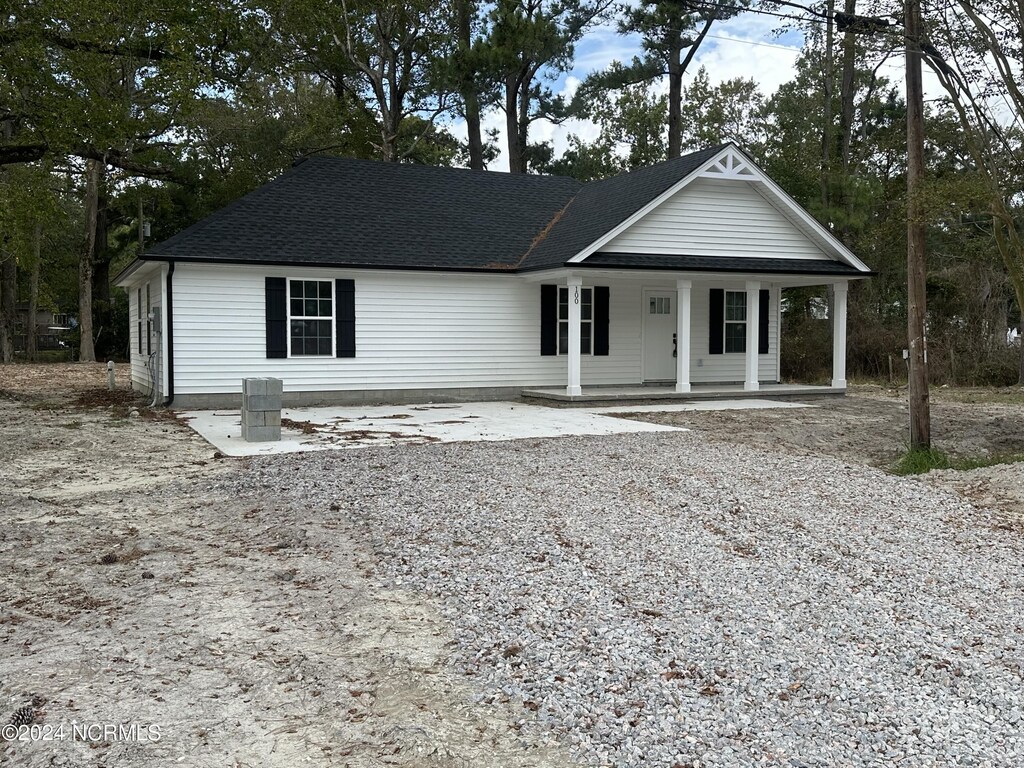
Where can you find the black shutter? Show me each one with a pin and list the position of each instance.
(549, 319)
(345, 317)
(762, 323)
(716, 322)
(277, 317)
(601, 319)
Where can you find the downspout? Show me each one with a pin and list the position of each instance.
(169, 316)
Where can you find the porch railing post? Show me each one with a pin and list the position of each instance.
(750, 383)
(683, 291)
(575, 286)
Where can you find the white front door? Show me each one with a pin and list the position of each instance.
(659, 310)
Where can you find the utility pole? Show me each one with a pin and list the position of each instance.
(920, 418)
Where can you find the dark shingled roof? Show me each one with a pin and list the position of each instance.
(345, 212)
(340, 212)
(718, 264)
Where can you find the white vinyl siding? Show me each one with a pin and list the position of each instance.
(419, 331)
(138, 322)
(413, 331)
(706, 368)
(714, 217)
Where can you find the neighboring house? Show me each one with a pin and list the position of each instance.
(361, 281)
(49, 328)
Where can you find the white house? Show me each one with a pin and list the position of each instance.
(360, 281)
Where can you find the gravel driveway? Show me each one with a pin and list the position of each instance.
(663, 600)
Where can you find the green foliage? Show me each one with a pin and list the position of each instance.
(919, 462)
(632, 125)
(530, 40)
(730, 111)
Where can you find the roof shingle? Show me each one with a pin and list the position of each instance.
(341, 212)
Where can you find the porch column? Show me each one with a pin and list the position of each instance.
(750, 383)
(575, 303)
(683, 290)
(839, 291)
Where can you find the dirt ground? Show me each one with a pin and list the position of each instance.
(139, 588)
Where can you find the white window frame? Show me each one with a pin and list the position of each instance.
(290, 317)
(584, 294)
(727, 322)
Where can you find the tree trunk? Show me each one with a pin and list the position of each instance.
(86, 352)
(467, 86)
(32, 339)
(8, 284)
(102, 308)
(828, 85)
(847, 93)
(920, 416)
(1020, 368)
(516, 150)
(675, 96)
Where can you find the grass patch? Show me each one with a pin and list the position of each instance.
(921, 461)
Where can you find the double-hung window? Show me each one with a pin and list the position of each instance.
(735, 321)
(311, 317)
(586, 319)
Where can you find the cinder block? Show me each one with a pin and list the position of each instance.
(254, 418)
(254, 386)
(272, 419)
(262, 434)
(261, 403)
(275, 387)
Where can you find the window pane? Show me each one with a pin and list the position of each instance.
(585, 338)
(735, 306)
(296, 307)
(735, 337)
(325, 289)
(563, 338)
(586, 310)
(325, 307)
(654, 305)
(311, 337)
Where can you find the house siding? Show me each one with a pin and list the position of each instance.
(706, 368)
(139, 371)
(715, 217)
(413, 331)
(417, 331)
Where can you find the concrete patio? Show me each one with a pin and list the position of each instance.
(338, 427)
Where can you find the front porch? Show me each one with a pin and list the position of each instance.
(616, 395)
(634, 335)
